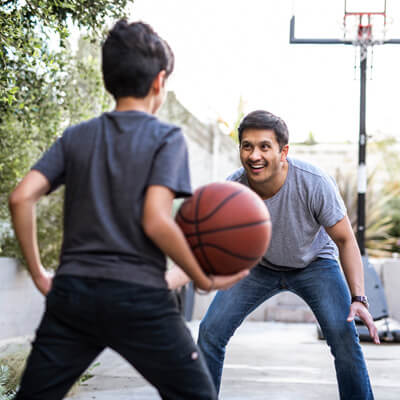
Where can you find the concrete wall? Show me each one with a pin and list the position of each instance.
(287, 307)
(21, 304)
(212, 155)
(390, 276)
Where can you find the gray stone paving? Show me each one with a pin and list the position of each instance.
(265, 360)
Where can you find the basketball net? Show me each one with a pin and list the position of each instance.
(365, 30)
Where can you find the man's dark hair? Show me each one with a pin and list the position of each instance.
(265, 120)
(133, 54)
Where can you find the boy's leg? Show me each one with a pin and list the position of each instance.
(323, 287)
(61, 351)
(148, 331)
(228, 310)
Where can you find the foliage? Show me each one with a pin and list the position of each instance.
(5, 394)
(310, 141)
(44, 88)
(232, 128)
(379, 241)
(12, 366)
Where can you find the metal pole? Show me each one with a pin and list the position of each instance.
(362, 170)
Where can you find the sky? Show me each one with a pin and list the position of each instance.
(227, 49)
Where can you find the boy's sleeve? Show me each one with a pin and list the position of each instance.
(327, 203)
(52, 164)
(171, 165)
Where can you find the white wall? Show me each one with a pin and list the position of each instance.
(21, 304)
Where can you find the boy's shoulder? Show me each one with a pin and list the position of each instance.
(122, 122)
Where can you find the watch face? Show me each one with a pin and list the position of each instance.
(361, 299)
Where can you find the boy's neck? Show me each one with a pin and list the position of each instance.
(135, 104)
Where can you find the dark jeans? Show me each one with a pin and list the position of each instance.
(84, 316)
(322, 286)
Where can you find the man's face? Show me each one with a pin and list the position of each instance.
(261, 156)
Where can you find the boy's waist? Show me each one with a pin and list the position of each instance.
(127, 269)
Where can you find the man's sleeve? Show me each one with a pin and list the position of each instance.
(327, 203)
(52, 164)
(171, 165)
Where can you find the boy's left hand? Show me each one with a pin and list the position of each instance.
(43, 282)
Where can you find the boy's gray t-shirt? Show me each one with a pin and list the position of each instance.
(307, 202)
(107, 164)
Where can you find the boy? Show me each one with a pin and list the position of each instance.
(121, 171)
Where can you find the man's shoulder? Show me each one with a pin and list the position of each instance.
(238, 176)
(307, 170)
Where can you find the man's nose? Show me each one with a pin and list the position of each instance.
(255, 155)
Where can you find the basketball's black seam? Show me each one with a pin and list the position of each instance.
(223, 202)
(198, 235)
(233, 227)
(227, 252)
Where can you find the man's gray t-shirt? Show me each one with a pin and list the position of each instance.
(107, 164)
(307, 202)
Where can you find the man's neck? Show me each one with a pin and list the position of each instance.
(134, 104)
(269, 189)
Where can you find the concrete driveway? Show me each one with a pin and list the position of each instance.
(265, 360)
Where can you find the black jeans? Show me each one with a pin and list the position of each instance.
(84, 316)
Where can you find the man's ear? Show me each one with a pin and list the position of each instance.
(159, 81)
(284, 152)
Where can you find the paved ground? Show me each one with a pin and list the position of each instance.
(265, 360)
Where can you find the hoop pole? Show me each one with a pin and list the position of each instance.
(362, 147)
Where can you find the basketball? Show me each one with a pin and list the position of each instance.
(227, 226)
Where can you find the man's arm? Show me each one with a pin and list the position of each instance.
(22, 203)
(162, 229)
(350, 259)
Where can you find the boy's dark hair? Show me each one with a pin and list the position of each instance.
(265, 120)
(132, 56)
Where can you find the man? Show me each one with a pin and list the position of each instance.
(121, 172)
(310, 229)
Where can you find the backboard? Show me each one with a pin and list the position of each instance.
(339, 20)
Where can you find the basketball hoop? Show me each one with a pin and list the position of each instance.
(365, 29)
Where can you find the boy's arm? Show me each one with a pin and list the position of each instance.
(159, 225)
(22, 202)
(350, 259)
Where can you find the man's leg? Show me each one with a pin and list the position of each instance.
(323, 287)
(146, 328)
(62, 350)
(228, 310)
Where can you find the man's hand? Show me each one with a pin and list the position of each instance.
(358, 309)
(43, 281)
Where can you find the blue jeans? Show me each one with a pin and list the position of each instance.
(322, 286)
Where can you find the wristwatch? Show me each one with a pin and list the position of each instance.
(361, 299)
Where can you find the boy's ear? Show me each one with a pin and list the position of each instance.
(159, 82)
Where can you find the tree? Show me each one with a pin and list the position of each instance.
(42, 88)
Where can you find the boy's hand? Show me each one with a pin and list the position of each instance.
(223, 282)
(176, 278)
(43, 282)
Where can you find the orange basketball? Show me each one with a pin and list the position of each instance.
(227, 226)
